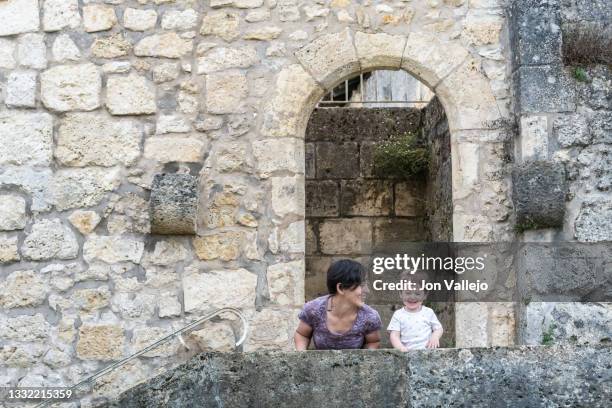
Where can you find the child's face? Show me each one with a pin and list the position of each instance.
(413, 299)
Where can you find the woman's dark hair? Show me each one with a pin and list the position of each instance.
(348, 273)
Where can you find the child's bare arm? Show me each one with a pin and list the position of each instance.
(434, 340)
(394, 336)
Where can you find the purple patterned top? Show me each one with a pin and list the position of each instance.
(315, 315)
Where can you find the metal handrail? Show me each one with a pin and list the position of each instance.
(107, 369)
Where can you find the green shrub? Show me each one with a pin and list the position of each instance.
(580, 74)
(401, 157)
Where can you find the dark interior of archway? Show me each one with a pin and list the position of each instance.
(350, 209)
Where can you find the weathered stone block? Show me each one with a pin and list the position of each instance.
(110, 47)
(98, 17)
(378, 51)
(285, 283)
(571, 130)
(91, 299)
(329, 165)
(345, 236)
(71, 87)
(366, 197)
(544, 89)
(71, 188)
(84, 221)
(469, 101)
(8, 249)
(179, 19)
(7, 54)
(225, 92)
(90, 139)
(64, 49)
(21, 89)
(101, 342)
(139, 20)
(539, 195)
(26, 138)
(58, 14)
(222, 24)
(322, 198)
(206, 291)
(594, 222)
(19, 16)
(174, 149)
(173, 204)
(534, 137)
(223, 245)
(430, 59)
(50, 239)
(288, 195)
(286, 113)
(221, 58)
(394, 230)
(481, 29)
(112, 249)
(361, 124)
(12, 212)
(409, 199)
(168, 45)
(277, 155)
(330, 58)
(535, 32)
(130, 95)
(21, 289)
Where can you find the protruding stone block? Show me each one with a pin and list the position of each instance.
(173, 204)
(19, 16)
(539, 195)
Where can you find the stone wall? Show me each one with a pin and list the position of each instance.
(565, 140)
(98, 98)
(517, 377)
(350, 209)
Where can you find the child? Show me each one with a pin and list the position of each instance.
(414, 326)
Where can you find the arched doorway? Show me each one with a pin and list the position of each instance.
(473, 120)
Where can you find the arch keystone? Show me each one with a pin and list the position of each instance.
(379, 51)
(330, 58)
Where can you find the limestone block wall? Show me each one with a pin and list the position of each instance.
(98, 98)
(350, 209)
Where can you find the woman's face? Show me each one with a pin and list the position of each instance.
(356, 295)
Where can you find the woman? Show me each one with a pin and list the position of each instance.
(340, 320)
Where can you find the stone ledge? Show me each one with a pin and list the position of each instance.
(173, 204)
(523, 376)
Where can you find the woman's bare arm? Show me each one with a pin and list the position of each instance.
(372, 340)
(302, 336)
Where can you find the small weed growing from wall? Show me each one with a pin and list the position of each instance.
(548, 336)
(401, 157)
(587, 43)
(580, 74)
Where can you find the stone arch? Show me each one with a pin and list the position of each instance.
(446, 68)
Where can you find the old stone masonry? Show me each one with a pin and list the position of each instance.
(152, 163)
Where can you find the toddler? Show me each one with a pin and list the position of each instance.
(414, 326)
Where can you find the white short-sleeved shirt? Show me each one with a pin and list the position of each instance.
(415, 327)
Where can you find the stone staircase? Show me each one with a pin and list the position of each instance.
(526, 376)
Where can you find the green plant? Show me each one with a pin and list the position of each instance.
(401, 157)
(527, 224)
(548, 336)
(580, 74)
